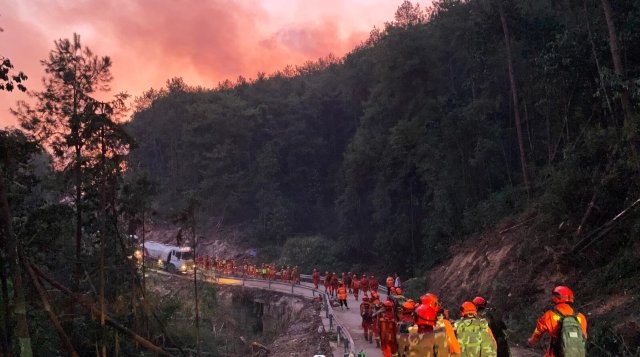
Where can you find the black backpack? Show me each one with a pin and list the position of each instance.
(570, 340)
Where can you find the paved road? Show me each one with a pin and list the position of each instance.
(350, 319)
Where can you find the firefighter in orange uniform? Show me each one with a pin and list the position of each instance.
(406, 316)
(364, 284)
(365, 313)
(327, 281)
(549, 322)
(316, 278)
(342, 296)
(387, 327)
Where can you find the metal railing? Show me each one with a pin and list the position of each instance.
(342, 333)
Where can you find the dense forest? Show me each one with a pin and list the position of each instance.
(440, 125)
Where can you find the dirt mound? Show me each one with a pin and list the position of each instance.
(226, 243)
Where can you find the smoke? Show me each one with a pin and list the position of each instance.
(205, 42)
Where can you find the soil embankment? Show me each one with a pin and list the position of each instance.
(516, 269)
(233, 318)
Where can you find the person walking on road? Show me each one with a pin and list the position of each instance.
(373, 284)
(342, 296)
(566, 328)
(387, 327)
(316, 278)
(366, 314)
(327, 281)
(364, 285)
(334, 284)
(474, 334)
(496, 324)
(355, 286)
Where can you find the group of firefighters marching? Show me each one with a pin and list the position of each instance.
(403, 327)
(247, 269)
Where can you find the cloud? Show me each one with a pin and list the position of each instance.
(204, 42)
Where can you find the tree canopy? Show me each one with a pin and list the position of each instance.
(409, 143)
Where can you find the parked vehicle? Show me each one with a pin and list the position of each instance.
(171, 258)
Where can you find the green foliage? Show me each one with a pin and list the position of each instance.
(408, 143)
(315, 252)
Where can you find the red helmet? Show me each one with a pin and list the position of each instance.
(398, 291)
(561, 294)
(468, 308)
(430, 300)
(480, 302)
(393, 291)
(388, 305)
(409, 305)
(425, 315)
(365, 298)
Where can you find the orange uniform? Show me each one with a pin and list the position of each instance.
(454, 345)
(342, 293)
(550, 322)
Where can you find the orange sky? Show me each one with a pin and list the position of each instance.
(203, 41)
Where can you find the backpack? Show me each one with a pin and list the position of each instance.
(569, 341)
(365, 309)
(475, 338)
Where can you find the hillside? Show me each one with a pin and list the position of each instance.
(516, 271)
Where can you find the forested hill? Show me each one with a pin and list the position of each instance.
(413, 140)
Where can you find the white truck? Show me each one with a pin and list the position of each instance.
(169, 257)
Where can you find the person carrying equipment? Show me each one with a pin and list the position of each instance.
(365, 313)
(496, 324)
(425, 313)
(387, 327)
(443, 323)
(566, 328)
(473, 333)
(355, 286)
(398, 301)
(342, 296)
(405, 319)
(376, 309)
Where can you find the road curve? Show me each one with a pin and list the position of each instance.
(348, 319)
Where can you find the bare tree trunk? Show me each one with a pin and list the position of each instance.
(19, 310)
(144, 267)
(94, 311)
(52, 316)
(595, 58)
(514, 93)
(78, 174)
(615, 56)
(103, 237)
(6, 312)
(195, 281)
